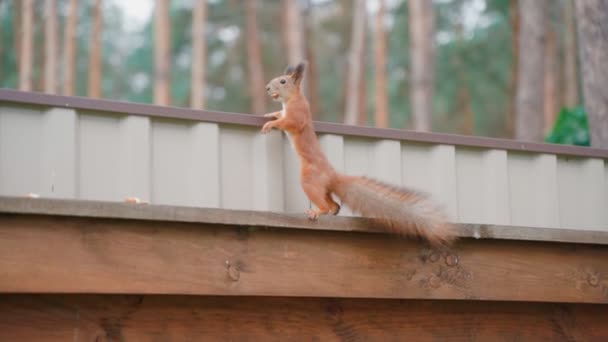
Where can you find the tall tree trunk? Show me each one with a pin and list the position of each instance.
(162, 54)
(256, 68)
(50, 45)
(95, 52)
(199, 47)
(351, 112)
(422, 33)
(362, 118)
(550, 82)
(17, 14)
(70, 40)
(571, 83)
(381, 98)
(592, 19)
(529, 105)
(293, 36)
(312, 79)
(26, 45)
(515, 26)
(292, 32)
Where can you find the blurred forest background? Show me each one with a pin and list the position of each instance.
(499, 68)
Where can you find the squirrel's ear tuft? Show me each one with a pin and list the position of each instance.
(297, 73)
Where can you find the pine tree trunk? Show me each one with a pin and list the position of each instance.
(162, 54)
(95, 52)
(592, 20)
(529, 102)
(422, 37)
(70, 40)
(26, 45)
(550, 82)
(515, 26)
(293, 34)
(17, 34)
(312, 79)
(351, 112)
(199, 47)
(254, 54)
(50, 44)
(571, 83)
(362, 118)
(381, 98)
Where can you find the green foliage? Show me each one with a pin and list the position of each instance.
(571, 128)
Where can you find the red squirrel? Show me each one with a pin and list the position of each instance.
(398, 210)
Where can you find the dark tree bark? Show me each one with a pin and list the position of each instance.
(26, 45)
(571, 74)
(162, 54)
(70, 41)
(50, 46)
(382, 113)
(592, 19)
(422, 33)
(254, 57)
(530, 79)
(353, 86)
(95, 52)
(199, 55)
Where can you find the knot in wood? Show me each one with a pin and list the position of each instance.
(234, 273)
(593, 280)
(434, 256)
(451, 260)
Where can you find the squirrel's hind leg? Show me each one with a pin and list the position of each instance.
(319, 197)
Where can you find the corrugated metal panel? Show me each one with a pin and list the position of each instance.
(84, 154)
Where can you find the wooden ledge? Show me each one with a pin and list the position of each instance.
(245, 218)
(53, 246)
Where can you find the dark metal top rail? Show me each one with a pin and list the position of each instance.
(34, 98)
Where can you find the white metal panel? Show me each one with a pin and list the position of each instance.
(236, 165)
(432, 168)
(99, 167)
(59, 145)
(582, 192)
(358, 157)
(205, 171)
(295, 199)
(386, 161)
(20, 153)
(135, 157)
(20, 150)
(171, 162)
(533, 189)
(268, 171)
(482, 180)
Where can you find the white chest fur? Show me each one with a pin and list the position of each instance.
(283, 114)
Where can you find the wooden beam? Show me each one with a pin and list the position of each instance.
(192, 318)
(46, 254)
(95, 209)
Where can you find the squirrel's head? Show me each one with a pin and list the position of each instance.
(282, 88)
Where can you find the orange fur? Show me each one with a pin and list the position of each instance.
(399, 210)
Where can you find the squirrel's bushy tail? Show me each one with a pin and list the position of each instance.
(399, 210)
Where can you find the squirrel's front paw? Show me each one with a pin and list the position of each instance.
(271, 115)
(267, 127)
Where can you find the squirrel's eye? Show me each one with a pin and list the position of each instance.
(283, 81)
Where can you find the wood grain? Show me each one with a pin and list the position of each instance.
(193, 318)
(44, 254)
(246, 218)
